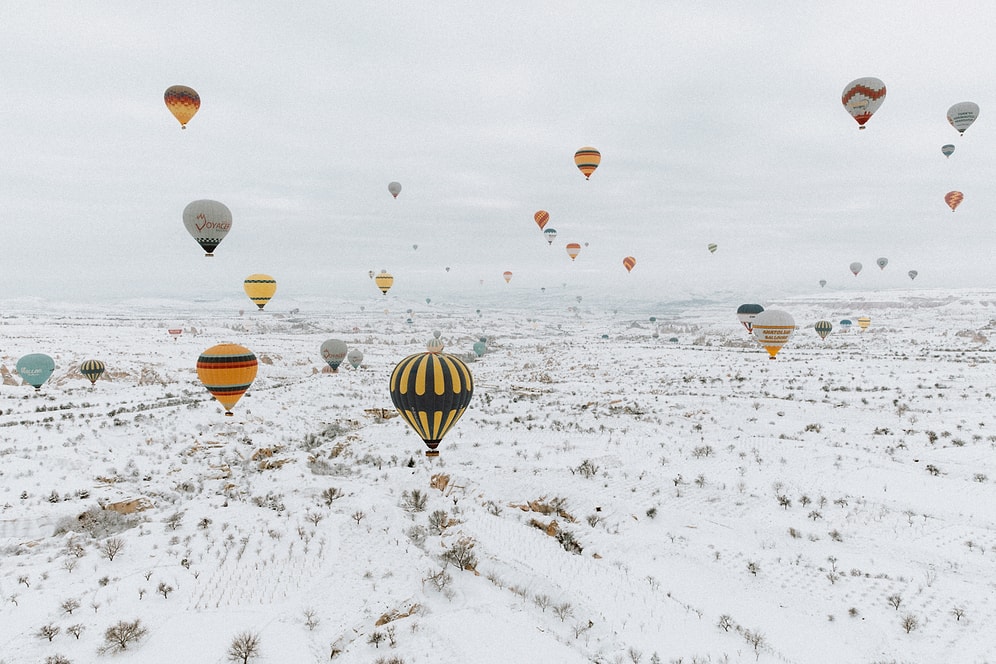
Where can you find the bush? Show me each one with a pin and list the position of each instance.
(117, 637)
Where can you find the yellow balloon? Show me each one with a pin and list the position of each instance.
(384, 281)
(182, 102)
(260, 288)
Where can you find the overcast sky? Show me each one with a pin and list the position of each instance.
(717, 122)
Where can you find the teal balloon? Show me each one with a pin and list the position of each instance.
(479, 348)
(35, 369)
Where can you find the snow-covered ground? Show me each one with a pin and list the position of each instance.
(710, 505)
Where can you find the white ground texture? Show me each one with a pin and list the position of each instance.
(725, 507)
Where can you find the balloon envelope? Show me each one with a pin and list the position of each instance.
(864, 322)
(384, 281)
(954, 199)
(746, 313)
(334, 352)
(855, 268)
(92, 370)
(587, 160)
(182, 102)
(479, 348)
(431, 391)
(541, 217)
(823, 282)
(260, 288)
(882, 262)
(823, 328)
(629, 263)
(573, 249)
(947, 150)
(395, 189)
(772, 328)
(35, 369)
(355, 358)
(550, 234)
(713, 247)
(912, 274)
(962, 115)
(507, 275)
(227, 371)
(862, 97)
(208, 222)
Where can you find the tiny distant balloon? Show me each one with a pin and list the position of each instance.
(746, 313)
(182, 102)
(587, 160)
(573, 249)
(962, 115)
(882, 262)
(823, 328)
(395, 188)
(864, 322)
(862, 97)
(208, 222)
(447, 269)
(947, 150)
(823, 282)
(384, 281)
(772, 328)
(912, 274)
(371, 274)
(845, 325)
(415, 246)
(713, 247)
(954, 199)
(355, 358)
(541, 217)
(855, 267)
(479, 348)
(550, 234)
(629, 263)
(507, 275)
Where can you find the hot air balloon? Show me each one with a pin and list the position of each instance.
(507, 275)
(712, 247)
(845, 325)
(823, 282)
(772, 328)
(479, 348)
(384, 281)
(823, 328)
(415, 247)
(227, 371)
(864, 322)
(746, 313)
(92, 370)
(587, 160)
(334, 352)
(371, 274)
(208, 222)
(395, 189)
(428, 300)
(629, 263)
(882, 262)
(953, 199)
(541, 217)
(431, 391)
(35, 369)
(573, 249)
(182, 102)
(862, 97)
(260, 288)
(355, 358)
(962, 115)
(550, 234)
(175, 332)
(855, 267)
(947, 150)
(912, 274)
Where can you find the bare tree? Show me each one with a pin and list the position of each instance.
(164, 589)
(310, 619)
(75, 630)
(894, 601)
(70, 605)
(461, 554)
(111, 547)
(48, 631)
(910, 622)
(359, 516)
(375, 638)
(57, 659)
(414, 500)
(563, 611)
(332, 494)
(244, 647)
(958, 612)
(118, 636)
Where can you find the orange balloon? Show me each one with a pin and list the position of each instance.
(629, 263)
(573, 249)
(587, 160)
(227, 371)
(541, 217)
(182, 102)
(507, 275)
(953, 199)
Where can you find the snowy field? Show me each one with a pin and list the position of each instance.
(615, 496)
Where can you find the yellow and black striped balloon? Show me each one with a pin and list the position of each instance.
(260, 288)
(92, 370)
(227, 371)
(431, 391)
(384, 281)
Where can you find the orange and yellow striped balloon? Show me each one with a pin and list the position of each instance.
(541, 217)
(629, 263)
(573, 249)
(587, 160)
(864, 322)
(182, 102)
(227, 371)
(431, 391)
(953, 199)
(260, 288)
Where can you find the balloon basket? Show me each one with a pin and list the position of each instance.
(229, 414)
(431, 454)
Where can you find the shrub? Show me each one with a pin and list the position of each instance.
(117, 637)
